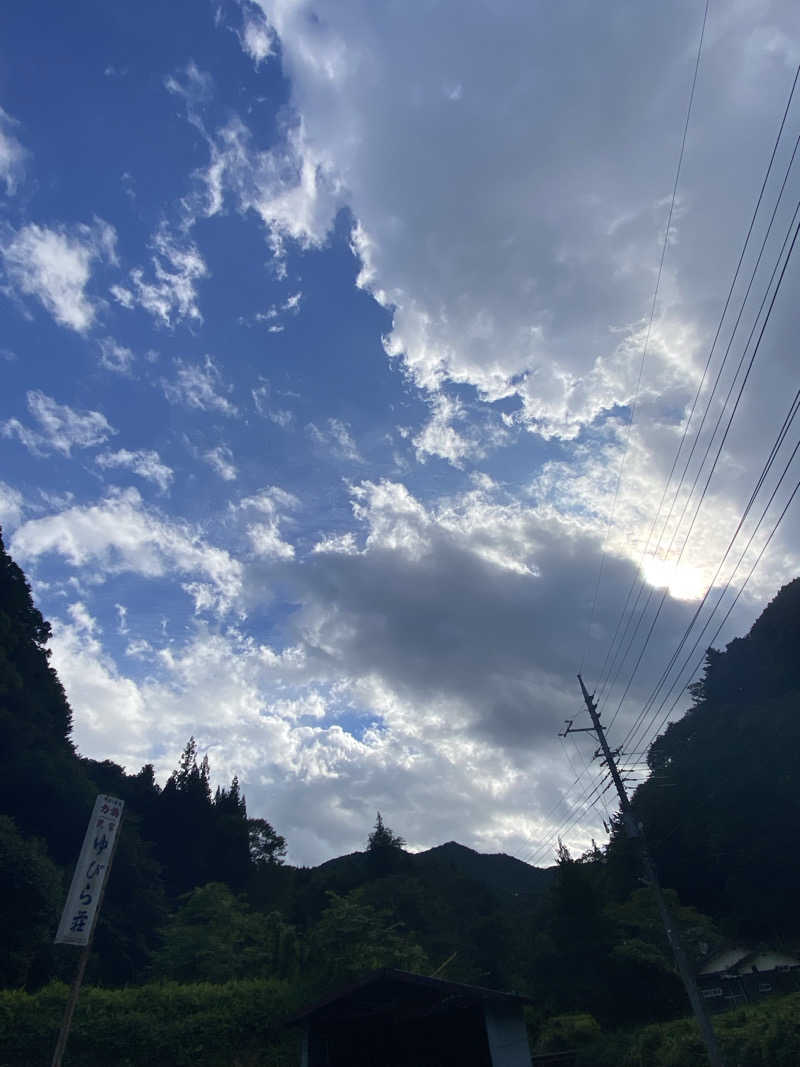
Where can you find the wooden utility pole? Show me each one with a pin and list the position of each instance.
(634, 831)
(69, 1010)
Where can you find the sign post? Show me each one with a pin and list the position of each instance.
(85, 896)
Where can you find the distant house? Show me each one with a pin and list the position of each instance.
(739, 975)
(393, 1018)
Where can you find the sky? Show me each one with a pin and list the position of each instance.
(346, 352)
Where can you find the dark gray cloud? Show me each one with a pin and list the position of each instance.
(498, 650)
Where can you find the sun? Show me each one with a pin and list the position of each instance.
(683, 582)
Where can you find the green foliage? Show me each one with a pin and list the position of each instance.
(638, 918)
(351, 938)
(32, 891)
(238, 1024)
(565, 1032)
(215, 937)
(763, 1035)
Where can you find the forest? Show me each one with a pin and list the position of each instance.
(208, 937)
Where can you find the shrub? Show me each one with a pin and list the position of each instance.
(171, 1025)
(761, 1035)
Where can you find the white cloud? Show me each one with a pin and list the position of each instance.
(280, 416)
(12, 154)
(336, 439)
(292, 188)
(220, 459)
(439, 438)
(60, 427)
(269, 500)
(144, 462)
(484, 259)
(11, 506)
(266, 540)
(114, 356)
(260, 397)
(195, 86)
(256, 37)
(261, 714)
(449, 636)
(108, 706)
(82, 620)
(55, 266)
(170, 294)
(525, 269)
(343, 543)
(200, 386)
(291, 305)
(123, 296)
(271, 504)
(120, 534)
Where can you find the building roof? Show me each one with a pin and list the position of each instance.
(738, 959)
(384, 989)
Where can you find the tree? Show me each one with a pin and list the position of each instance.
(30, 900)
(351, 938)
(267, 847)
(384, 850)
(573, 940)
(42, 785)
(185, 831)
(213, 936)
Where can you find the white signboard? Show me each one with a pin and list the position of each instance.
(80, 911)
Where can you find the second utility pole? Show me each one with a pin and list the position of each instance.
(634, 830)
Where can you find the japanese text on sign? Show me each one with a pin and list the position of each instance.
(80, 910)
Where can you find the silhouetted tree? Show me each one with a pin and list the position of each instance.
(384, 850)
(267, 847)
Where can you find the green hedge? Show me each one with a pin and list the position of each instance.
(762, 1035)
(235, 1024)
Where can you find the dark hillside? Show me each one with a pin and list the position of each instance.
(497, 871)
(722, 807)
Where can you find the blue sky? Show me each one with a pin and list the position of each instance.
(321, 336)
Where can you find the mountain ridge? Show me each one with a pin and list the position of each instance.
(494, 870)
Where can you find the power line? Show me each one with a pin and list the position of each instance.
(727, 585)
(732, 604)
(773, 453)
(586, 801)
(604, 678)
(741, 360)
(722, 443)
(635, 400)
(590, 797)
(620, 660)
(787, 423)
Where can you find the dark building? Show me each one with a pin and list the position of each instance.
(741, 975)
(396, 1019)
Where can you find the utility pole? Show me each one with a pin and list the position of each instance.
(634, 831)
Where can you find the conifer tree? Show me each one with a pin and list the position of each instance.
(384, 850)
